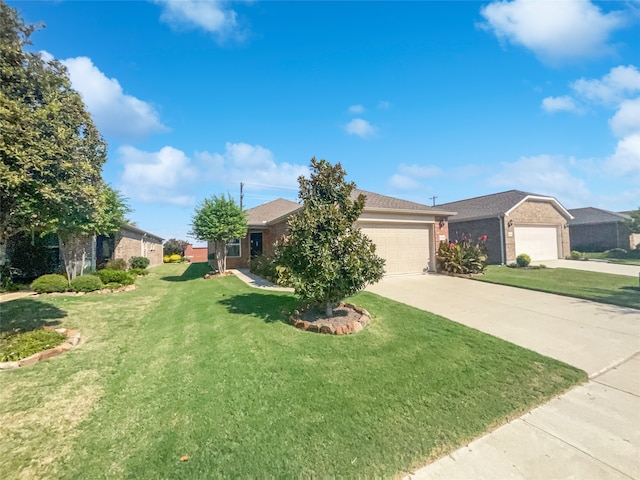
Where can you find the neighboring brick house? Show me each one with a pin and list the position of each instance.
(406, 233)
(196, 254)
(594, 229)
(130, 242)
(515, 222)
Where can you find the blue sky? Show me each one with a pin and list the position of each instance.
(415, 99)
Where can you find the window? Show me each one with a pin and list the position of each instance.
(233, 248)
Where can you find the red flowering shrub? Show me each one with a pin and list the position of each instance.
(463, 257)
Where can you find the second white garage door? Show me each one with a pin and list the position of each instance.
(404, 247)
(540, 243)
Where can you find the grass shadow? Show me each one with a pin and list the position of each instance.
(625, 296)
(195, 270)
(270, 308)
(28, 314)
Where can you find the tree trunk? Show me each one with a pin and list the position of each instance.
(4, 260)
(329, 309)
(73, 249)
(221, 256)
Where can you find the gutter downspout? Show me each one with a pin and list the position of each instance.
(502, 246)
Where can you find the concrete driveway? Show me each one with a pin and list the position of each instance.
(594, 266)
(591, 432)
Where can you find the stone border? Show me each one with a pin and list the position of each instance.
(352, 327)
(72, 341)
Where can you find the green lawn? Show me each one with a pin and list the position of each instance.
(603, 256)
(208, 369)
(599, 287)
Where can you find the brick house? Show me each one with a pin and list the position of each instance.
(196, 254)
(594, 229)
(131, 241)
(515, 222)
(406, 233)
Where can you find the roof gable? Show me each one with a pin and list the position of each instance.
(496, 205)
(591, 215)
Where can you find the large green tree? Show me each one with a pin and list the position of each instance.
(51, 153)
(219, 220)
(634, 222)
(326, 257)
(173, 246)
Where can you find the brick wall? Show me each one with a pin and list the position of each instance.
(196, 254)
(133, 244)
(600, 236)
(533, 212)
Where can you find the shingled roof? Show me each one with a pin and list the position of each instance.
(270, 212)
(591, 215)
(376, 201)
(275, 210)
(494, 205)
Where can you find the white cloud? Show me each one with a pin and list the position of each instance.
(209, 15)
(361, 128)
(626, 120)
(404, 182)
(357, 109)
(409, 176)
(384, 105)
(626, 158)
(565, 103)
(618, 84)
(252, 164)
(545, 175)
(114, 112)
(553, 30)
(419, 171)
(163, 177)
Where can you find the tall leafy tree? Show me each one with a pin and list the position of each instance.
(634, 222)
(326, 257)
(51, 153)
(173, 246)
(219, 220)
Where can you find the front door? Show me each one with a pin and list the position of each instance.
(255, 240)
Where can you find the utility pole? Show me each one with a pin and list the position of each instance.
(433, 200)
(241, 194)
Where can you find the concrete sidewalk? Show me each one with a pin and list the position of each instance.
(594, 266)
(592, 431)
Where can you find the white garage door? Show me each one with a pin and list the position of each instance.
(540, 243)
(404, 247)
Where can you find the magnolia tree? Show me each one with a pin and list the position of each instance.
(51, 152)
(326, 257)
(219, 220)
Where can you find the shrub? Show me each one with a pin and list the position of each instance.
(616, 253)
(116, 264)
(119, 277)
(138, 271)
(463, 257)
(16, 346)
(50, 283)
(575, 255)
(264, 265)
(86, 283)
(166, 259)
(175, 258)
(523, 260)
(139, 262)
